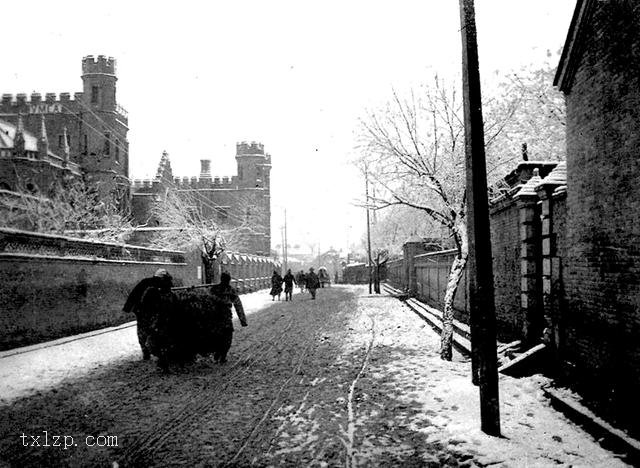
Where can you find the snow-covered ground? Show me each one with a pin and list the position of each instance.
(23, 373)
(347, 380)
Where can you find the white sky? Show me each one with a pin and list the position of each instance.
(198, 76)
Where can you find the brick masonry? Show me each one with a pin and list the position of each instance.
(602, 263)
(53, 286)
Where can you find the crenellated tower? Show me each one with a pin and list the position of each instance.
(104, 147)
(254, 165)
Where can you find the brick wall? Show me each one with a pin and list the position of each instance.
(505, 248)
(601, 269)
(53, 286)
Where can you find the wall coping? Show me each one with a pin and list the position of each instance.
(88, 241)
(49, 258)
(435, 254)
(14, 241)
(501, 203)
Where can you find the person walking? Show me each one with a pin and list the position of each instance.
(312, 282)
(225, 296)
(301, 280)
(276, 285)
(166, 332)
(289, 280)
(144, 317)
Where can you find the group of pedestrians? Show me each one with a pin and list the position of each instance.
(308, 281)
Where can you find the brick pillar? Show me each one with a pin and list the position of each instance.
(530, 261)
(548, 254)
(552, 188)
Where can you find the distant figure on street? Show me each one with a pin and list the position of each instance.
(312, 282)
(225, 296)
(289, 280)
(323, 276)
(276, 285)
(134, 303)
(301, 280)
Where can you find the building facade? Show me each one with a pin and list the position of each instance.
(599, 74)
(90, 128)
(239, 204)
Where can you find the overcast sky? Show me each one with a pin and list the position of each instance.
(198, 76)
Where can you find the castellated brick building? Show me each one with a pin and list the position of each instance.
(84, 134)
(240, 203)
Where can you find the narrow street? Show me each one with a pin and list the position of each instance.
(346, 380)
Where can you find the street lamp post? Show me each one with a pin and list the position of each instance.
(481, 292)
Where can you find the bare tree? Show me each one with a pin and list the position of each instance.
(414, 151)
(187, 220)
(67, 207)
(413, 148)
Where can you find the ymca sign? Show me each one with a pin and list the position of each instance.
(55, 108)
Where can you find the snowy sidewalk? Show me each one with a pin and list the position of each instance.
(45, 365)
(446, 403)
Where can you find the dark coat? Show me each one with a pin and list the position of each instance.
(167, 331)
(135, 296)
(224, 297)
(288, 282)
(276, 284)
(312, 281)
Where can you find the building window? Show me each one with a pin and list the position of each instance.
(95, 91)
(86, 144)
(107, 143)
(117, 145)
(61, 140)
(240, 173)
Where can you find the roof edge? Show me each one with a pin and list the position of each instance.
(573, 46)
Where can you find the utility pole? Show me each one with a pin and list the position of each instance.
(481, 292)
(283, 246)
(286, 247)
(366, 191)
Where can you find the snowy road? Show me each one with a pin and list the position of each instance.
(347, 380)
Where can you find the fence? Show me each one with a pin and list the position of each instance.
(248, 272)
(432, 275)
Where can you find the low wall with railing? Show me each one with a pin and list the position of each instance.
(248, 272)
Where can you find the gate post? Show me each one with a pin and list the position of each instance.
(530, 260)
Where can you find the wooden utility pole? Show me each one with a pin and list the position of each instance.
(286, 247)
(366, 191)
(481, 299)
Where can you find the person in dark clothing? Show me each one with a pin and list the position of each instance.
(133, 304)
(225, 296)
(312, 282)
(166, 331)
(276, 285)
(289, 280)
(301, 280)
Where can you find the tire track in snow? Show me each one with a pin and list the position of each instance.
(349, 443)
(184, 415)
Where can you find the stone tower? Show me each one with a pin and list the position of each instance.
(254, 166)
(103, 144)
